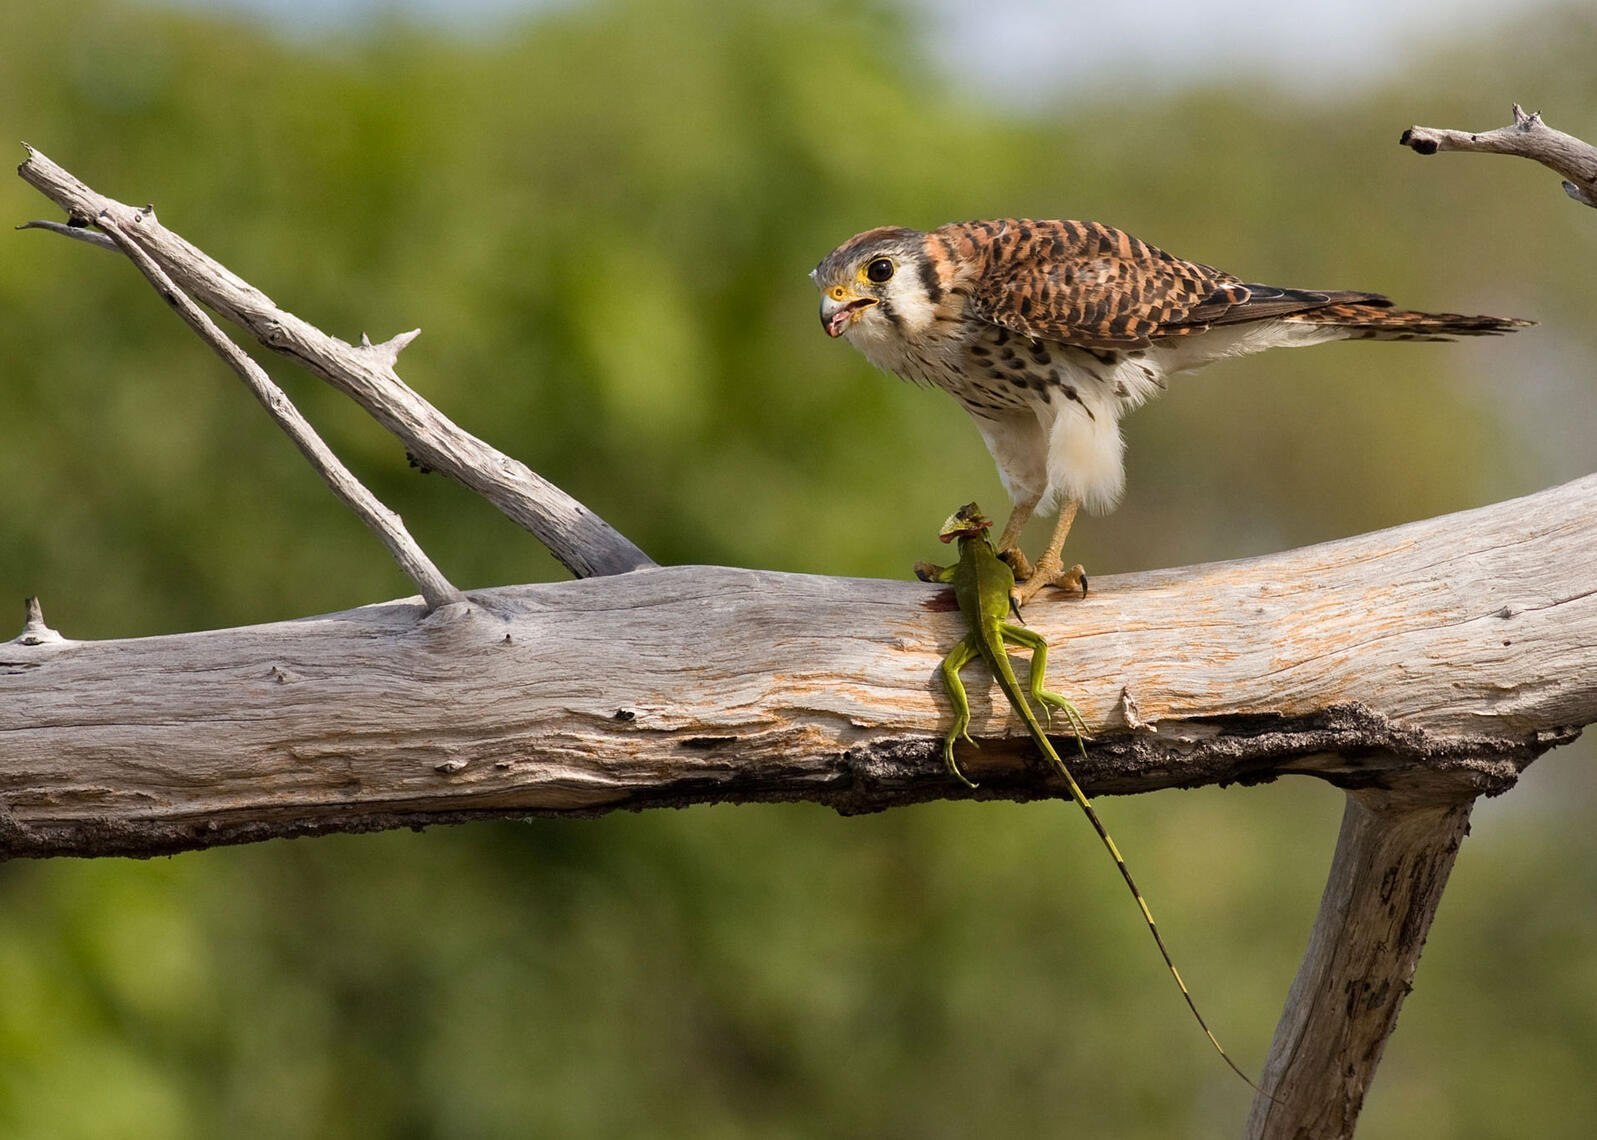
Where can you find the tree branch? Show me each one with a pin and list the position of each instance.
(583, 542)
(1392, 861)
(1433, 661)
(435, 589)
(1528, 137)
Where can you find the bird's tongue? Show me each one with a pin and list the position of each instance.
(839, 320)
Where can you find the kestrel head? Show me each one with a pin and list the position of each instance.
(876, 283)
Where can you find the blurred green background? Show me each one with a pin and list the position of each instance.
(601, 215)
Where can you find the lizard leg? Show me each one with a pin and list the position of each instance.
(1049, 570)
(957, 658)
(1048, 701)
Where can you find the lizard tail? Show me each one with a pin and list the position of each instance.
(1079, 730)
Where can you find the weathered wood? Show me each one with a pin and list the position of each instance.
(1527, 137)
(1392, 861)
(582, 541)
(1437, 658)
(389, 528)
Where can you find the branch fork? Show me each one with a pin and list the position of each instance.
(182, 275)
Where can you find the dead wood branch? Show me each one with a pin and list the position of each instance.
(1392, 861)
(582, 541)
(1433, 661)
(389, 528)
(1527, 137)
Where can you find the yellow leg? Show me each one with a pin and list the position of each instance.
(1018, 518)
(1047, 572)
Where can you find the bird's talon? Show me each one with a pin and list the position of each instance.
(1073, 579)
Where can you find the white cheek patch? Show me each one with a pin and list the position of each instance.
(915, 310)
(909, 344)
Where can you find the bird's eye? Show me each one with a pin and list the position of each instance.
(879, 270)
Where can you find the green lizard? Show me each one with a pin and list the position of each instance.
(984, 587)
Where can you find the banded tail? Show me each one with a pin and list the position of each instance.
(1371, 317)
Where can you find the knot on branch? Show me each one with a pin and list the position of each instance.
(34, 630)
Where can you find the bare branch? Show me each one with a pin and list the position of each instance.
(387, 525)
(582, 541)
(1435, 660)
(76, 233)
(1528, 137)
(1392, 860)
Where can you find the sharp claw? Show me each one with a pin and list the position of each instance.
(953, 765)
(1073, 578)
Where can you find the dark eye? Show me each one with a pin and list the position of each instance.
(879, 270)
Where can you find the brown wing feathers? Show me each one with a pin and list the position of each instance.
(1090, 284)
(1082, 282)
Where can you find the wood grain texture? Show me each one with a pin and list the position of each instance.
(1434, 660)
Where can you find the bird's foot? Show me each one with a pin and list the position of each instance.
(1044, 574)
(931, 572)
(1073, 579)
(1017, 562)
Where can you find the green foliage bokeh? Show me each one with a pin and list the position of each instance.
(602, 217)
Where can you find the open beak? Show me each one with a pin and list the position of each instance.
(837, 315)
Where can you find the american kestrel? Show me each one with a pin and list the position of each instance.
(1049, 331)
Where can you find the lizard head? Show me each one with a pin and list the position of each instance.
(967, 522)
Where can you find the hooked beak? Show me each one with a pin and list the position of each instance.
(839, 309)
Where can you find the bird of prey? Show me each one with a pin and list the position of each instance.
(1049, 331)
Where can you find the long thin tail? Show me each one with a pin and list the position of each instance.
(1373, 321)
(1079, 730)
